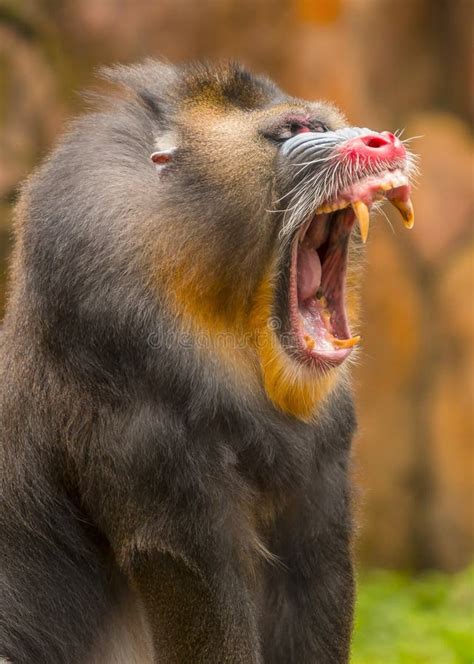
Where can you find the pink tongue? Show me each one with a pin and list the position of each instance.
(309, 272)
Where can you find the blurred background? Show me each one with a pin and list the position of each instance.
(389, 64)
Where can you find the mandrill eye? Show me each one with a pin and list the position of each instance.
(294, 127)
(319, 127)
(300, 127)
(297, 128)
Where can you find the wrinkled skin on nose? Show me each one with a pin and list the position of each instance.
(350, 142)
(373, 146)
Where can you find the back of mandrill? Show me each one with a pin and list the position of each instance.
(175, 414)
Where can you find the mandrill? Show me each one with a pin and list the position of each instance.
(175, 409)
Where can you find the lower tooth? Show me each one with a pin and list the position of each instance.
(326, 316)
(346, 343)
(309, 342)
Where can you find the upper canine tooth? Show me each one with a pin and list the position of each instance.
(406, 210)
(362, 213)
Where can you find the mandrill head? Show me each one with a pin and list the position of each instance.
(210, 204)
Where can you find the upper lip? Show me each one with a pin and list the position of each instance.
(391, 185)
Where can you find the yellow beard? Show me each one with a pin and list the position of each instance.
(247, 343)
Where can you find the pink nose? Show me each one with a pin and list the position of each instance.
(382, 147)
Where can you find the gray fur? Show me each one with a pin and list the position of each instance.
(129, 460)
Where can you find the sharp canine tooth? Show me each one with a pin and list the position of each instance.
(406, 210)
(362, 213)
(346, 343)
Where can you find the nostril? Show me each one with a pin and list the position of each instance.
(372, 145)
(374, 141)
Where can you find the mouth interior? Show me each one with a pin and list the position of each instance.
(321, 261)
(318, 319)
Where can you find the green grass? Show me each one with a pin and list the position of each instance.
(401, 619)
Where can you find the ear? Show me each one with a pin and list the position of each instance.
(161, 158)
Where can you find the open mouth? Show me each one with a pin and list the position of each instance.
(318, 322)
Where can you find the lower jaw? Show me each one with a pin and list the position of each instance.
(295, 388)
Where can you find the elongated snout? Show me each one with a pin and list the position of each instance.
(353, 143)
